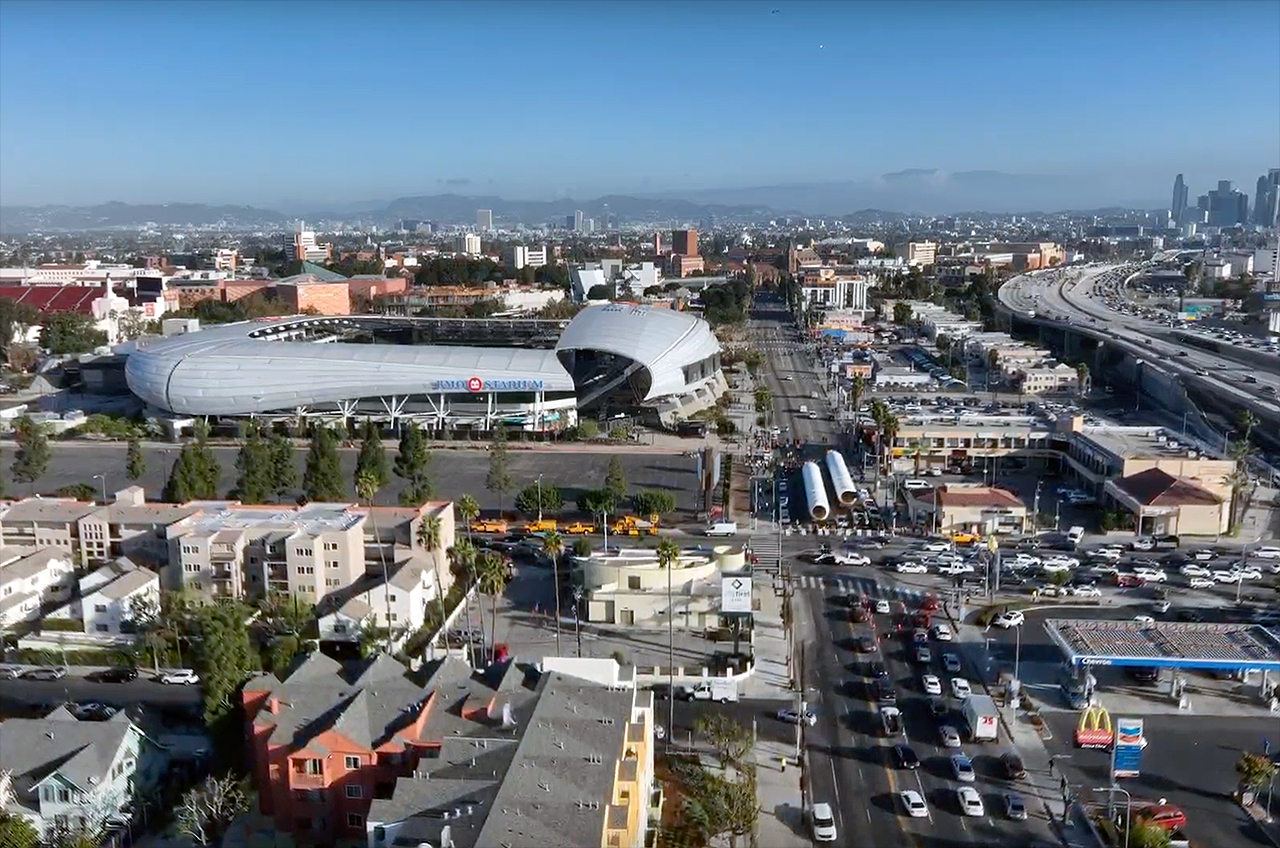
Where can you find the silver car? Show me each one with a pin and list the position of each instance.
(950, 738)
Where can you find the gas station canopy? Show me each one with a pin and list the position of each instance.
(1231, 647)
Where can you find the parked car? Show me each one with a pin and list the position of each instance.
(45, 673)
(1167, 816)
(1014, 807)
(8, 672)
(962, 768)
(950, 737)
(931, 684)
(178, 677)
(123, 674)
(970, 801)
(1087, 592)
(942, 633)
(1011, 766)
(950, 662)
(923, 655)
(790, 716)
(960, 688)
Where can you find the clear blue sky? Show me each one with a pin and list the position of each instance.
(268, 103)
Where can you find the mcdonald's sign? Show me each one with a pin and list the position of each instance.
(1094, 728)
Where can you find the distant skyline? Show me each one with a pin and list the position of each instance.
(327, 104)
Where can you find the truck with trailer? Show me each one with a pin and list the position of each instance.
(981, 717)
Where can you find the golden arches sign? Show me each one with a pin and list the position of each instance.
(1093, 730)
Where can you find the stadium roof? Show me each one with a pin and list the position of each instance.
(238, 369)
(1166, 644)
(662, 340)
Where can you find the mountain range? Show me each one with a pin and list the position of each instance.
(923, 191)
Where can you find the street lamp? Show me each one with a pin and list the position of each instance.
(103, 478)
(1128, 807)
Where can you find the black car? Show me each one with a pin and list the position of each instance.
(938, 707)
(824, 559)
(91, 711)
(115, 675)
(1011, 766)
(45, 673)
(885, 691)
(906, 757)
(877, 669)
(1143, 673)
(1189, 614)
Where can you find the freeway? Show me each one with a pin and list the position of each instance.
(1078, 297)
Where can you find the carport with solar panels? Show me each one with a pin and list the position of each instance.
(1245, 649)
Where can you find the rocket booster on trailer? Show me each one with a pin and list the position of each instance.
(841, 480)
(815, 492)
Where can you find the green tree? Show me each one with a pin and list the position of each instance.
(135, 462)
(70, 332)
(208, 809)
(1143, 835)
(17, 832)
(31, 460)
(322, 478)
(468, 510)
(255, 482)
(1082, 378)
(413, 465)
(15, 320)
(553, 544)
(222, 654)
(540, 498)
(499, 478)
(902, 313)
(431, 537)
(764, 400)
(195, 472)
(615, 480)
(492, 576)
(1246, 421)
(753, 359)
(1255, 770)
(597, 503)
(373, 457)
(284, 467)
(78, 491)
(648, 502)
(857, 391)
(731, 740)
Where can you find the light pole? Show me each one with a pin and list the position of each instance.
(1017, 650)
(1128, 806)
(103, 478)
(539, 483)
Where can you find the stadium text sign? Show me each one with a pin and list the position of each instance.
(475, 384)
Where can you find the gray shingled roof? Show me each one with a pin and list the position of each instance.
(81, 751)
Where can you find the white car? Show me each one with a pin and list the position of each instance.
(1053, 568)
(1021, 560)
(960, 688)
(954, 569)
(852, 559)
(1193, 570)
(1250, 573)
(970, 801)
(1144, 619)
(1203, 583)
(911, 568)
(1061, 562)
(914, 804)
(1226, 575)
(950, 738)
(1202, 556)
(1151, 575)
(178, 677)
(1266, 552)
(823, 821)
(882, 607)
(1009, 618)
(942, 633)
(790, 716)
(1112, 554)
(932, 685)
(936, 546)
(1087, 592)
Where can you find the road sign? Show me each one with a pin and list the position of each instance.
(735, 593)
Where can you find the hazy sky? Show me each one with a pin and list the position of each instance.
(314, 102)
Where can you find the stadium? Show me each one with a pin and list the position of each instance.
(656, 365)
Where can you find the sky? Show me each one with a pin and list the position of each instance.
(278, 104)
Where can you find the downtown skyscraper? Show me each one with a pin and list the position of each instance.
(1178, 208)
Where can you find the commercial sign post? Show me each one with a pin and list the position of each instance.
(1094, 728)
(735, 593)
(1126, 754)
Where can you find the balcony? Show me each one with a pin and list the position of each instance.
(298, 780)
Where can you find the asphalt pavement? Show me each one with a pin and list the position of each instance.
(23, 697)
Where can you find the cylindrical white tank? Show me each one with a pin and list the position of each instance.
(841, 480)
(815, 491)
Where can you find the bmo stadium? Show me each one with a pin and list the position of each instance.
(654, 365)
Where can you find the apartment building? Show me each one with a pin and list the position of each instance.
(399, 603)
(305, 248)
(113, 594)
(1045, 377)
(468, 243)
(36, 523)
(128, 527)
(519, 256)
(31, 579)
(568, 762)
(65, 775)
(920, 253)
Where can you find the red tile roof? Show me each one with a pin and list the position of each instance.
(47, 299)
(1155, 487)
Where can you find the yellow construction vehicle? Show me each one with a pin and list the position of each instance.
(489, 525)
(546, 525)
(579, 528)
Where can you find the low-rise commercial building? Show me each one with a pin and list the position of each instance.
(628, 587)
(1161, 504)
(965, 508)
(1045, 378)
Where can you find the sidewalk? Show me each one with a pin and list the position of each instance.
(772, 677)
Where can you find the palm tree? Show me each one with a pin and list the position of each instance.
(1082, 379)
(462, 563)
(668, 558)
(469, 510)
(430, 533)
(493, 581)
(890, 427)
(1246, 421)
(1238, 480)
(857, 388)
(553, 544)
(367, 485)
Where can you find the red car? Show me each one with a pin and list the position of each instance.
(1166, 816)
(929, 604)
(1130, 581)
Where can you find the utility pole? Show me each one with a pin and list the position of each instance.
(1035, 508)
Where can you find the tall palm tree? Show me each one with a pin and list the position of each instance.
(553, 544)
(669, 558)
(430, 534)
(468, 510)
(857, 388)
(462, 562)
(1246, 421)
(492, 582)
(890, 427)
(367, 485)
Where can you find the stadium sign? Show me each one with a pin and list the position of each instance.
(475, 384)
(1094, 728)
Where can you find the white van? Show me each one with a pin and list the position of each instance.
(804, 409)
(916, 485)
(1075, 534)
(723, 691)
(723, 528)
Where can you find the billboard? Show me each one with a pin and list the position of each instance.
(1093, 730)
(735, 593)
(1126, 757)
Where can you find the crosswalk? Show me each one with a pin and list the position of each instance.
(768, 552)
(867, 587)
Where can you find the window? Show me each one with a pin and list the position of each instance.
(332, 582)
(391, 598)
(99, 607)
(351, 762)
(391, 616)
(101, 628)
(633, 581)
(355, 791)
(306, 569)
(64, 796)
(330, 546)
(46, 793)
(191, 567)
(332, 563)
(306, 767)
(355, 820)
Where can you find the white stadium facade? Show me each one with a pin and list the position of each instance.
(655, 364)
